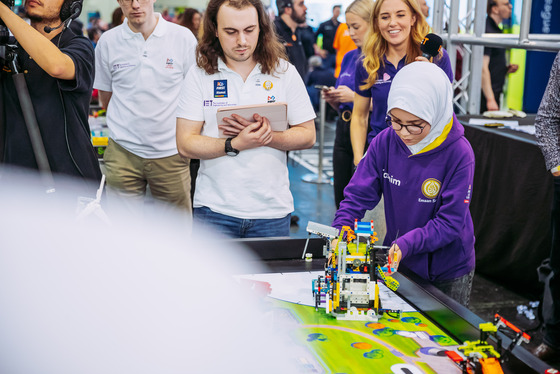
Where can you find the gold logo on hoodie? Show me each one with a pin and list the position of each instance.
(431, 188)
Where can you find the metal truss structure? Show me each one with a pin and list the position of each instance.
(467, 37)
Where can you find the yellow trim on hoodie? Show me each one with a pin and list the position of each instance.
(440, 139)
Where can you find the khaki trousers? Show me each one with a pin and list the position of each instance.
(129, 175)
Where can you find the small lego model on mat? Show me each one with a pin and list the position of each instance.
(349, 289)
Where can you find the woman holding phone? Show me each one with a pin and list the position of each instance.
(341, 97)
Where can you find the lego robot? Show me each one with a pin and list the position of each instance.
(349, 289)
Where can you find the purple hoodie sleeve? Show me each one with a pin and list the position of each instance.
(449, 221)
(362, 193)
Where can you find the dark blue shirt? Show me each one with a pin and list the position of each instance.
(328, 30)
(347, 75)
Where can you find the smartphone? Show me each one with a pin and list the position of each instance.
(322, 87)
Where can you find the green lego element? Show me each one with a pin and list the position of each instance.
(478, 348)
(488, 327)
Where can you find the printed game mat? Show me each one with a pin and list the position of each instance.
(410, 344)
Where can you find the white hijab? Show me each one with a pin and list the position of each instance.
(423, 89)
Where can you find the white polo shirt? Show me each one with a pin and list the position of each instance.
(145, 77)
(255, 183)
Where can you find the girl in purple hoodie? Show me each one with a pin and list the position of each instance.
(423, 167)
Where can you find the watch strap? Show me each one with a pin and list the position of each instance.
(230, 151)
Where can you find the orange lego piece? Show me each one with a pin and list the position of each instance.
(491, 365)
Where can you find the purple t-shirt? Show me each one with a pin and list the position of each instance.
(380, 90)
(347, 76)
(427, 198)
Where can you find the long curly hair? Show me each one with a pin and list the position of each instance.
(268, 51)
(376, 46)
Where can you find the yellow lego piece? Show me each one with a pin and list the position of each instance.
(99, 141)
(390, 282)
(488, 327)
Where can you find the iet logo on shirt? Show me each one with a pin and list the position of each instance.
(125, 65)
(220, 88)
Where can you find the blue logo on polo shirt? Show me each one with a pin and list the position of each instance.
(220, 88)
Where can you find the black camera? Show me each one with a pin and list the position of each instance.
(5, 37)
(9, 4)
(4, 33)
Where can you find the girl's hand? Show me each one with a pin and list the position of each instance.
(395, 256)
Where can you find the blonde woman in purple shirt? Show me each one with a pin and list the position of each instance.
(423, 167)
(397, 29)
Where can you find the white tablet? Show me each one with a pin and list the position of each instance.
(276, 113)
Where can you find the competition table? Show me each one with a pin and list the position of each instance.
(510, 207)
(456, 321)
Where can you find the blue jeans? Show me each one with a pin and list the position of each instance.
(242, 228)
(458, 288)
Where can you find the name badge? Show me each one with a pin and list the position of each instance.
(220, 88)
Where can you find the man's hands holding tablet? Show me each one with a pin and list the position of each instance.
(247, 134)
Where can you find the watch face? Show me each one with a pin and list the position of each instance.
(232, 153)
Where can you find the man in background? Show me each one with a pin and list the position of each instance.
(292, 13)
(140, 68)
(328, 30)
(494, 64)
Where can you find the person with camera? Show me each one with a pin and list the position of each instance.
(58, 69)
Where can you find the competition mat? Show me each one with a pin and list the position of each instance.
(411, 344)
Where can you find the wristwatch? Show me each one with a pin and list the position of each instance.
(230, 151)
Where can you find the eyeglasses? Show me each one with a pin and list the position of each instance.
(129, 2)
(412, 129)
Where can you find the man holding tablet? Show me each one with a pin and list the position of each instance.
(242, 185)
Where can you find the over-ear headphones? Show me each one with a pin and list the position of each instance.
(70, 9)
